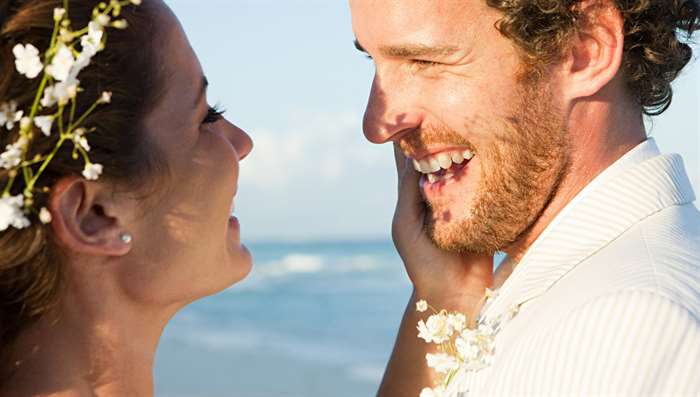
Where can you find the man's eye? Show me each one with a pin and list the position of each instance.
(423, 63)
(214, 114)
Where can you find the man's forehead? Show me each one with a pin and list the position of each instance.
(420, 21)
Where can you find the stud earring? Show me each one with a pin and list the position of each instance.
(126, 238)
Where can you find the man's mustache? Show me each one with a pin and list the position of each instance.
(423, 139)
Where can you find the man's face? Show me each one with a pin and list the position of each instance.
(451, 92)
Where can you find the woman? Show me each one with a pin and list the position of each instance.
(84, 298)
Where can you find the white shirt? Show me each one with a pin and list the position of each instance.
(609, 293)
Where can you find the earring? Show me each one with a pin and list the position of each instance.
(126, 238)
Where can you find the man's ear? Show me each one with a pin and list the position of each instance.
(594, 56)
(84, 219)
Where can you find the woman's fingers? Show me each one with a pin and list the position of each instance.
(410, 204)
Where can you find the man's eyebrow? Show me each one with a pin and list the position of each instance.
(417, 50)
(202, 91)
(412, 50)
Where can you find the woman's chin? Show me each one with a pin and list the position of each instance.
(240, 263)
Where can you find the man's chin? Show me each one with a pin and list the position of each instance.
(460, 235)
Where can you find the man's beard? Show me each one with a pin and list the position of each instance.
(521, 169)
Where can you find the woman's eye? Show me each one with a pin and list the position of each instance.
(214, 114)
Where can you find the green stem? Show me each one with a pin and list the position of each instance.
(84, 116)
(72, 110)
(45, 164)
(8, 188)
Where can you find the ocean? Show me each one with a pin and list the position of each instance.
(312, 319)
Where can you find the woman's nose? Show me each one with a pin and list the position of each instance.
(241, 141)
(389, 113)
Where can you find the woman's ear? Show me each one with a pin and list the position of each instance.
(84, 219)
(594, 56)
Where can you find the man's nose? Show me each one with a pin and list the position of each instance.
(389, 114)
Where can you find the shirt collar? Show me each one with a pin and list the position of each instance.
(637, 185)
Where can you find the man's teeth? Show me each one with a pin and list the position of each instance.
(443, 160)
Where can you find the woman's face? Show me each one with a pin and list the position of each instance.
(187, 245)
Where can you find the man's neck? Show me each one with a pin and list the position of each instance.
(600, 135)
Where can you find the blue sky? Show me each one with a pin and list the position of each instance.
(288, 74)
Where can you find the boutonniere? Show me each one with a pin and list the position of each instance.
(462, 345)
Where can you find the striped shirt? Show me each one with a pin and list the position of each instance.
(610, 293)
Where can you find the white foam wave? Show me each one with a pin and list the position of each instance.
(294, 264)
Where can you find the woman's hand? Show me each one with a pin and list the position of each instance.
(439, 276)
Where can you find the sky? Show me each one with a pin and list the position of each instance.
(287, 73)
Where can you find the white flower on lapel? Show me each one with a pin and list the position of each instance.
(436, 330)
(436, 392)
(442, 363)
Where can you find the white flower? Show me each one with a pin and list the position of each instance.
(436, 392)
(44, 123)
(136, 2)
(12, 214)
(442, 363)
(9, 115)
(92, 171)
(421, 306)
(106, 97)
(12, 156)
(65, 91)
(490, 294)
(92, 40)
(48, 99)
(45, 216)
(103, 19)
(58, 14)
(80, 140)
(513, 311)
(435, 330)
(25, 123)
(27, 60)
(467, 346)
(475, 347)
(457, 321)
(61, 63)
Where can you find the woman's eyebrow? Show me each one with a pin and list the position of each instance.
(202, 91)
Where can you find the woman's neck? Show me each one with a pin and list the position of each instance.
(102, 349)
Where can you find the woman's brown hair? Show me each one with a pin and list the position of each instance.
(30, 263)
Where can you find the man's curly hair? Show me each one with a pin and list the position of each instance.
(654, 35)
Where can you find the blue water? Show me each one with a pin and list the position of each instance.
(312, 319)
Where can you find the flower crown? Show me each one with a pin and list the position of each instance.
(53, 109)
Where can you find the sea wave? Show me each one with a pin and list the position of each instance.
(303, 263)
(293, 264)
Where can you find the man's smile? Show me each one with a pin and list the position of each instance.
(444, 165)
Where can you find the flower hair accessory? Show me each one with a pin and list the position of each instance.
(53, 110)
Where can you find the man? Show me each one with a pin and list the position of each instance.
(518, 127)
